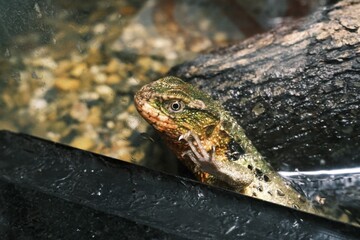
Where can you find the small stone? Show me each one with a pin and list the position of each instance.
(82, 142)
(87, 79)
(99, 28)
(45, 62)
(67, 84)
(95, 69)
(113, 79)
(133, 81)
(58, 127)
(124, 154)
(89, 96)
(78, 70)
(56, 137)
(38, 104)
(94, 56)
(121, 143)
(133, 122)
(63, 68)
(110, 124)
(79, 111)
(113, 66)
(106, 93)
(94, 117)
(100, 78)
(144, 62)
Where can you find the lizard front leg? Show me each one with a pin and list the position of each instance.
(230, 172)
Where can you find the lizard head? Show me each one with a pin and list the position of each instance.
(174, 107)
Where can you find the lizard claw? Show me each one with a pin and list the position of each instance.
(185, 136)
(212, 153)
(197, 152)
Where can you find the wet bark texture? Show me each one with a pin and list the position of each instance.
(295, 90)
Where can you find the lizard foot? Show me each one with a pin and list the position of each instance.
(198, 154)
(230, 172)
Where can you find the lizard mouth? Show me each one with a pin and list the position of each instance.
(145, 100)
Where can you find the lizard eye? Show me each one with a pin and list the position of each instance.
(176, 106)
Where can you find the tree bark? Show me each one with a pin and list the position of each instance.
(295, 90)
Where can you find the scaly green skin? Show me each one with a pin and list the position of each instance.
(174, 108)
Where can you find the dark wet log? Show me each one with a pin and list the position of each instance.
(295, 90)
(53, 191)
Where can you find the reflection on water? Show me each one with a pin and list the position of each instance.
(339, 188)
(68, 70)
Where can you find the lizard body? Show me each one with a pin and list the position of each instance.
(211, 143)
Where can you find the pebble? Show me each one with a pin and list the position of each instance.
(110, 124)
(100, 78)
(113, 66)
(113, 79)
(106, 93)
(144, 62)
(94, 117)
(67, 84)
(63, 68)
(83, 142)
(53, 136)
(46, 62)
(99, 28)
(124, 154)
(89, 96)
(78, 70)
(133, 122)
(79, 111)
(94, 56)
(38, 104)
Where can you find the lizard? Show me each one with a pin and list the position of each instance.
(210, 142)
